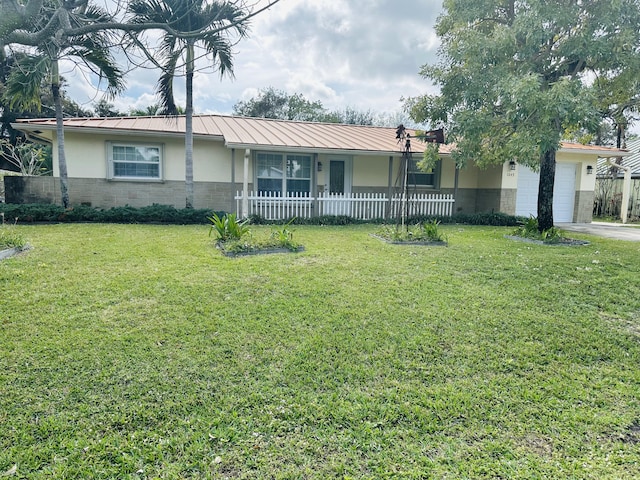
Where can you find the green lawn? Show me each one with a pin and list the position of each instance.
(142, 352)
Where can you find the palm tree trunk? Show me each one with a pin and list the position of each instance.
(188, 135)
(545, 190)
(62, 160)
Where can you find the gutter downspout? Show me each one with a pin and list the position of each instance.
(626, 189)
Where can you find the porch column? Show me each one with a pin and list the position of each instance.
(234, 203)
(314, 186)
(390, 188)
(456, 182)
(245, 185)
(626, 188)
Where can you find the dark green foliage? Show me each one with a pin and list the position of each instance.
(11, 238)
(530, 228)
(278, 104)
(30, 213)
(425, 232)
(514, 76)
(495, 219)
(227, 227)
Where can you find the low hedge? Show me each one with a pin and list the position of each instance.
(490, 219)
(30, 213)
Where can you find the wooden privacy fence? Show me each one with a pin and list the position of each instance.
(362, 206)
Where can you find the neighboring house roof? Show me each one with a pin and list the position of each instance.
(260, 133)
(632, 160)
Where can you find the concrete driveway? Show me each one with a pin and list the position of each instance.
(607, 230)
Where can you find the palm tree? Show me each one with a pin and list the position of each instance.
(32, 72)
(209, 24)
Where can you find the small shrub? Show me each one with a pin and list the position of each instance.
(429, 231)
(280, 237)
(227, 227)
(421, 232)
(529, 229)
(10, 238)
(283, 236)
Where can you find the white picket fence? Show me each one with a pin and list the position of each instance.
(362, 206)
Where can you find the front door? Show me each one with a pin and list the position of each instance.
(338, 187)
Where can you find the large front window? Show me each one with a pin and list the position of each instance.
(130, 161)
(283, 174)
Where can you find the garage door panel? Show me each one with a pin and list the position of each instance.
(563, 193)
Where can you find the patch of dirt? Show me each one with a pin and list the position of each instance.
(630, 435)
(564, 241)
(410, 242)
(631, 325)
(539, 445)
(260, 251)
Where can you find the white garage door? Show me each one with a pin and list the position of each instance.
(564, 192)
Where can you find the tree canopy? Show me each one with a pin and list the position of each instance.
(515, 74)
(278, 104)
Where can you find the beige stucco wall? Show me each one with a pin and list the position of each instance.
(447, 173)
(87, 157)
(584, 181)
(371, 171)
(489, 189)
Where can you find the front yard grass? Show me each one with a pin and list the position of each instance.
(143, 352)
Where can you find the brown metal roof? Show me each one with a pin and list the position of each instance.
(261, 133)
(245, 132)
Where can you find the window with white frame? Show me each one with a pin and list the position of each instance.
(134, 161)
(283, 174)
(423, 178)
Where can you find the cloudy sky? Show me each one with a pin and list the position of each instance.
(365, 54)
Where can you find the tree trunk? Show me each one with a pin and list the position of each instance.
(545, 190)
(62, 160)
(188, 135)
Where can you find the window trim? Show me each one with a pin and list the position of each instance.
(110, 162)
(284, 179)
(436, 175)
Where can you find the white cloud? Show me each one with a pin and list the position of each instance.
(365, 54)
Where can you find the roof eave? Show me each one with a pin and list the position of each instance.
(310, 149)
(598, 153)
(32, 127)
(321, 150)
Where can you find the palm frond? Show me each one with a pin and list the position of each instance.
(164, 88)
(222, 53)
(225, 13)
(24, 83)
(104, 66)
